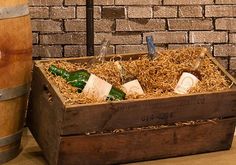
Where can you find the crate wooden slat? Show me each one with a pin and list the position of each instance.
(56, 126)
(143, 145)
(44, 117)
(166, 110)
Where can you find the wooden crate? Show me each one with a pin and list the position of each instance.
(60, 129)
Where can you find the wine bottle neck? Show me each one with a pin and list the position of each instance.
(103, 50)
(59, 72)
(116, 94)
(200, 59)
(151, 47)
(125, 75)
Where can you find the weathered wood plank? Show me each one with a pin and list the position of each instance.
(138, 113)
(89, 59)
(45, 116)
(50, 120)
(146, 144)
(223, 70)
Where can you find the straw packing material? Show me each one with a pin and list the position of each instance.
(157, 77)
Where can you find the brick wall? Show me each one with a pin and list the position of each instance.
(59, 28)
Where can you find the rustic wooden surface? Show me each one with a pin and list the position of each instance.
(32, 155)
(15, 70)
(12, 2)
(147, 144)
(44, 121)
(16, 47)
(138, 113)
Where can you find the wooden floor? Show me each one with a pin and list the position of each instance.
(32, 155)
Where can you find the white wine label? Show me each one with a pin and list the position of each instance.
(133, 87)
(97, 88)
(186, 81)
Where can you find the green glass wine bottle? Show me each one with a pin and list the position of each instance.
(89, 84)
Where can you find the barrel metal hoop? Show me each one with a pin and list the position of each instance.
(14, 11)
(9, 154)
(4, 141)
(11, 93)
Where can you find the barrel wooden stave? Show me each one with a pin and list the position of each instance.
(16, 51)
(12, 109)
(9, 3)
(15, 71)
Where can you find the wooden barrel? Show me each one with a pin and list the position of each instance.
(15, 73)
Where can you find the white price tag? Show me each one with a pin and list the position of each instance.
(186, 81)
(133, 87)
(97, 88)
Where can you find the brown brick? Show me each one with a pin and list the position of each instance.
(120, 39)
(113, 12)
(104, 2)
(81, 12)
(190, 11)
(75, 50)
(226, 24)
(187, 2)
(75, 25)
(190, 24)
(97, 12)
(104, 25)
(67, 38)
(45, 2)
(232, 38)
(47, 51)
(225, 2)
(120, 49)
(220, 11)
(208, 37)
(176, 46)
(225, 50)
(75, 2)
(35, 38)
(83, 2)
(39, 12)
(233, 63)
(223, 61)
(140, 24)
(46, 26)
(62, 12)
(80, 50)
(168, 37)
(110, 50)
(139, 12)
(165, 11)
(137, 2)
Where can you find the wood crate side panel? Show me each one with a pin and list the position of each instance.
(130, 114)
(45, 116)
(146, 144)
(223, 71)
(88, 59)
